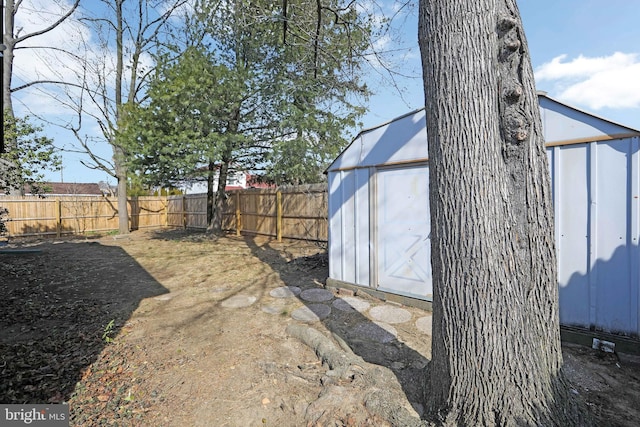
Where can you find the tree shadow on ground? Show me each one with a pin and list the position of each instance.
(60, 305)
(366, 338)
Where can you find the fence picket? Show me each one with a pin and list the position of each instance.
(294, 212)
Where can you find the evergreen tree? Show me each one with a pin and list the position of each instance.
(27, 154)
(262, 86)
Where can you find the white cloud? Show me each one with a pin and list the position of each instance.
(72, 53)
(37, 61)
(598, 82)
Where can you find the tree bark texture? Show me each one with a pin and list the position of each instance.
(7, 55)
(496, 340)
(123, 203)
(211, 172)
(215, 224)
(7, 106)
(118, 152)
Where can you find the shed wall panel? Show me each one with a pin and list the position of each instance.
(571, 183)
(596, 218)
(403, 230)
(348, 226)
(362, 205)
(335, 225)
(349, 229)
(611, 243)
(595, 171)
(634, 227)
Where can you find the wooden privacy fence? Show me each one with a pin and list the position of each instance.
(293, 212)
(35, 216)
(296, 212)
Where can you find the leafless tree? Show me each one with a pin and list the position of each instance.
(114, 74)
(13, 39)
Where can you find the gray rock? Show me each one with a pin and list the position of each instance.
(238, 301)
(424, 324)
(311, 313)
(285, 292)
(376, 331)
(390, 314)
(316, 295)
(351, 304)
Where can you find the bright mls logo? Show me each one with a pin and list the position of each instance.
(37, 415)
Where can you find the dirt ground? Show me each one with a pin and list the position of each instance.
(172, 329)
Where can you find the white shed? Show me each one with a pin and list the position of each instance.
(379, 221)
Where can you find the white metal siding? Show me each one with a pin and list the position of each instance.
(349, 238)
(571, 219)
(596, 212)
(402, 231)
(596, 190)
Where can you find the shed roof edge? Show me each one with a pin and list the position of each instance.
(371, 129)
(542, 94)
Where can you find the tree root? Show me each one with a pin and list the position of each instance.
(353, 385)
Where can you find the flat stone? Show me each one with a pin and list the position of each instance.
(165, 297)
(316, 295)
(285, 292)
(376, 331)
(311, 313)
(278, 306)
(424, 324)
(389, 314)
(271, 309)
(239, 301)
(351, 304)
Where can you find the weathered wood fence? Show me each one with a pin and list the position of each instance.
(296, 212)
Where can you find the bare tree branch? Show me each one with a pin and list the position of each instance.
(36, 82)
(50, 27)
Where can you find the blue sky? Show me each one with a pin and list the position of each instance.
(585, 53)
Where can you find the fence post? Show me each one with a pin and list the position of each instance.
(166, 211)
(279, 215)
(58, 217)
(238, 214)
(184, 212)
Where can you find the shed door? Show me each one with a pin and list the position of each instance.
(403, 255)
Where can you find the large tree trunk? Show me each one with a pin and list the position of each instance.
(121, 176)
(496, 340)
(7, 74)
(118, 152)
(211, 172)
(215, 224)
(7, 56)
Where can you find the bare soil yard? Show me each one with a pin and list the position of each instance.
(173, 329)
